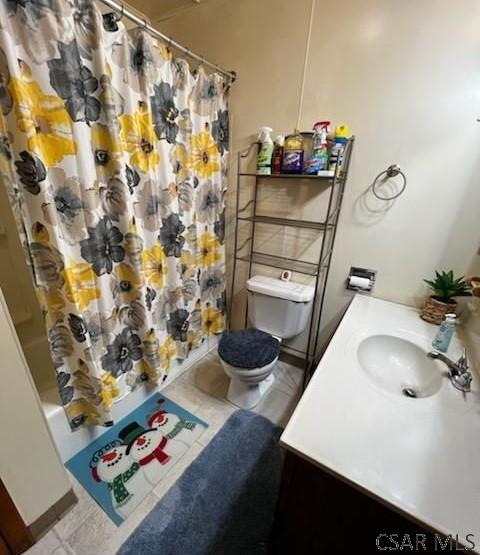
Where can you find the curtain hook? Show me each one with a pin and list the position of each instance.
(118, 16)
(145, 24)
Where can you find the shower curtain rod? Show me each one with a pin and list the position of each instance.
(121, 10)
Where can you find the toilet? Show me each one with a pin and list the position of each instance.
(278, 310)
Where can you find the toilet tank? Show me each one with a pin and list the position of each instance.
(281, 308)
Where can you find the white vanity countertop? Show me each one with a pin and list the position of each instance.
(421, 456)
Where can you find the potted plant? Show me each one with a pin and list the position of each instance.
(445, 287)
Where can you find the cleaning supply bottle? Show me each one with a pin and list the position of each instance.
(342, 132)
(318, 161)
(444, 334)
(278, 155)
(265, 151)
(293, 153)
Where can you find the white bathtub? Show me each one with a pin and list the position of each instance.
(69, 443)
(39, 361)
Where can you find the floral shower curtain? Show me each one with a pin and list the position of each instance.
(114, 154)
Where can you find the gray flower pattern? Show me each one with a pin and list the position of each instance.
(119, 155)
(31, 172)
(113, 199)
(152, 206)
(103, 246)
(75, 83)
(209, 202)
(164, 111)
(220, 131)
(122, 353)
(171, 235)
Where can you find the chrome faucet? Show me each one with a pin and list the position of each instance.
(459, 375)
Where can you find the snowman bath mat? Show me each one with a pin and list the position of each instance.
(123, 465)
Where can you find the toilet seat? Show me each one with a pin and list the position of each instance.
(248, 358)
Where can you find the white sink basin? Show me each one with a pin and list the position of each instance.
(399, 366)
(419, 456)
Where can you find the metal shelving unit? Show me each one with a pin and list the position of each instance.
(288, 176)
(327, 228)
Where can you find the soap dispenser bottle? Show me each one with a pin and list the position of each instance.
(445, 334)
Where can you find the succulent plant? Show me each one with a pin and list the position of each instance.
(445, 286)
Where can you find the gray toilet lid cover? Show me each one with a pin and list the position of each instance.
(248, 349)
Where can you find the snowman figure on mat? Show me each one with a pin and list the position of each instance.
(124, 478)
(151, 450)
(173, 427)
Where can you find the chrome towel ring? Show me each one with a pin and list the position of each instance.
(391, 171)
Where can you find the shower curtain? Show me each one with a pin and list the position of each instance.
(114, 154)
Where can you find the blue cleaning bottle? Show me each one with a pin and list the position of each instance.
(444, 334)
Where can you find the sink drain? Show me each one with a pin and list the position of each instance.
(409, 392)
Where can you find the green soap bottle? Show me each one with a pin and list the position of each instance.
(265, 152)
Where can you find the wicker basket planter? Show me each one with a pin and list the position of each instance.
(474, 283)
(434, 310)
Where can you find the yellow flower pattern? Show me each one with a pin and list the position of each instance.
(107, 150)
(182, 162)
(139, 139)
(205, 155)
(51, 302)
(122, 185)
(155, 265)
(82, 413)
(43, 119)
(188, 264)
(167, 352)
(110, 390)
(212, 321)
(146, 373)
(80, 285)
(209, 249)
(127, 283)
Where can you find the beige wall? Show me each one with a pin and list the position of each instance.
(30, 466)
(405, 76)
(17, 285)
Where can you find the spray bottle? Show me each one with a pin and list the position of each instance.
(318, 161)
(265, 151)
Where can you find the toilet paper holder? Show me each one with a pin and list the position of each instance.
(363, 274)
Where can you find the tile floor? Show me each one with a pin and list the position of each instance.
(87, 530)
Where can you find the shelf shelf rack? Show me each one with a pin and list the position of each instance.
(327, 228)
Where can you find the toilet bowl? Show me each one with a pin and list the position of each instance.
(248, 358)
(278, 310)
(247, 387)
